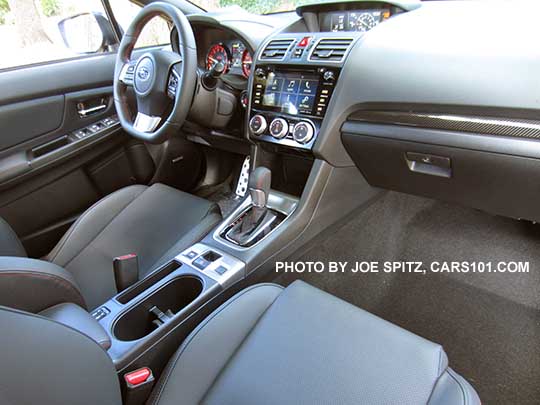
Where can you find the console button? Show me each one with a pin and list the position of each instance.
(201, 263)
(100, 313)
(279, 128)
(303, 132)
(221, 270)
(191, 254)
(257, 124)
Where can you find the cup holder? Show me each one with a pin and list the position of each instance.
(140, 320)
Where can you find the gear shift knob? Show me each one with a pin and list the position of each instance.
(259, 186)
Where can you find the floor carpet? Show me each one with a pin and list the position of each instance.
(489, 324)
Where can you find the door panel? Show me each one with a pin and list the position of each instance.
(15, 127)
(59, 150)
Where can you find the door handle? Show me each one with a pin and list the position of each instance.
(85, 112)
(87, 108)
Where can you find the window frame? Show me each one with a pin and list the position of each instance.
(106, 6)
(185, 6)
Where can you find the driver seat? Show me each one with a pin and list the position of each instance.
(156, 223)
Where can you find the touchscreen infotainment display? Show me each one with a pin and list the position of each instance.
(291, 92)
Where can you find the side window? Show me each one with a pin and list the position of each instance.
(156, 31)
(36, 31)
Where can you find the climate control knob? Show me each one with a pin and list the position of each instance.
(279, 128)
(303, 132)
(257, 124)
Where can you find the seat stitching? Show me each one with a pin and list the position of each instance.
(439, 371)
(465, 401)
(103, 229)
(165, 379)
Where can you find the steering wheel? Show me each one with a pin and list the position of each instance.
(158, 78)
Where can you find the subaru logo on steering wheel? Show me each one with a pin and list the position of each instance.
(143, 73)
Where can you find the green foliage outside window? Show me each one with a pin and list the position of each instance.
(50, 7)
(253, 6)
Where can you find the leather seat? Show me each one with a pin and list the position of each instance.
(266, 345)
(156, 223)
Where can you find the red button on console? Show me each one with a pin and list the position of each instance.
(138, 376)
(304, 42)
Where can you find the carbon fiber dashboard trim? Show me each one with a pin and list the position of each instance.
(520, 128)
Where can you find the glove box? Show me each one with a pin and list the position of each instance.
(496, 174)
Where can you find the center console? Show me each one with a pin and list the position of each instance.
(291, 90)
(159, 305)
(292, 86)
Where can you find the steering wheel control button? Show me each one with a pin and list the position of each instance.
(303, 132)
(144, 73)
(279, 128)
(257, 124)
(172, 85)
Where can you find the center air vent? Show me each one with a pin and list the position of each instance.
(331, 49)
(276, 49)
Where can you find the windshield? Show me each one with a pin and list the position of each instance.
(253, 6)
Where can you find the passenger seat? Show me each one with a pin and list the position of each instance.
(266, 345)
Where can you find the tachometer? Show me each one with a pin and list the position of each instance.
(247, 60)
(217, 53)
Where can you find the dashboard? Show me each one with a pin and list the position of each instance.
(435, 103)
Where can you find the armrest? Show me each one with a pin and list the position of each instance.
(33, 285)
(77, 318)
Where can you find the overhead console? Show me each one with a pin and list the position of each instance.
(293, 83)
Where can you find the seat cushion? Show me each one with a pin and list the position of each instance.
(303, 346)
(156, 223)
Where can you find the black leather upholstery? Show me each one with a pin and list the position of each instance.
(44, 362)
(266, 345)
(33, 285)
(156, 223)
(77, 318)
(301, 345)
(10, 245)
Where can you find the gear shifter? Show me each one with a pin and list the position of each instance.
(259, 186)
(257, 220)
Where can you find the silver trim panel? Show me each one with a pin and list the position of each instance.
(277, 201)
(511, 127)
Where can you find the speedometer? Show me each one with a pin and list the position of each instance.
(362, 22)
(217, 53)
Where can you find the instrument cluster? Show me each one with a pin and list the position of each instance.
(353, 20)
(233, 54)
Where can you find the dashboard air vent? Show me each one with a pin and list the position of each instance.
(331, 49)
(276, 49)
